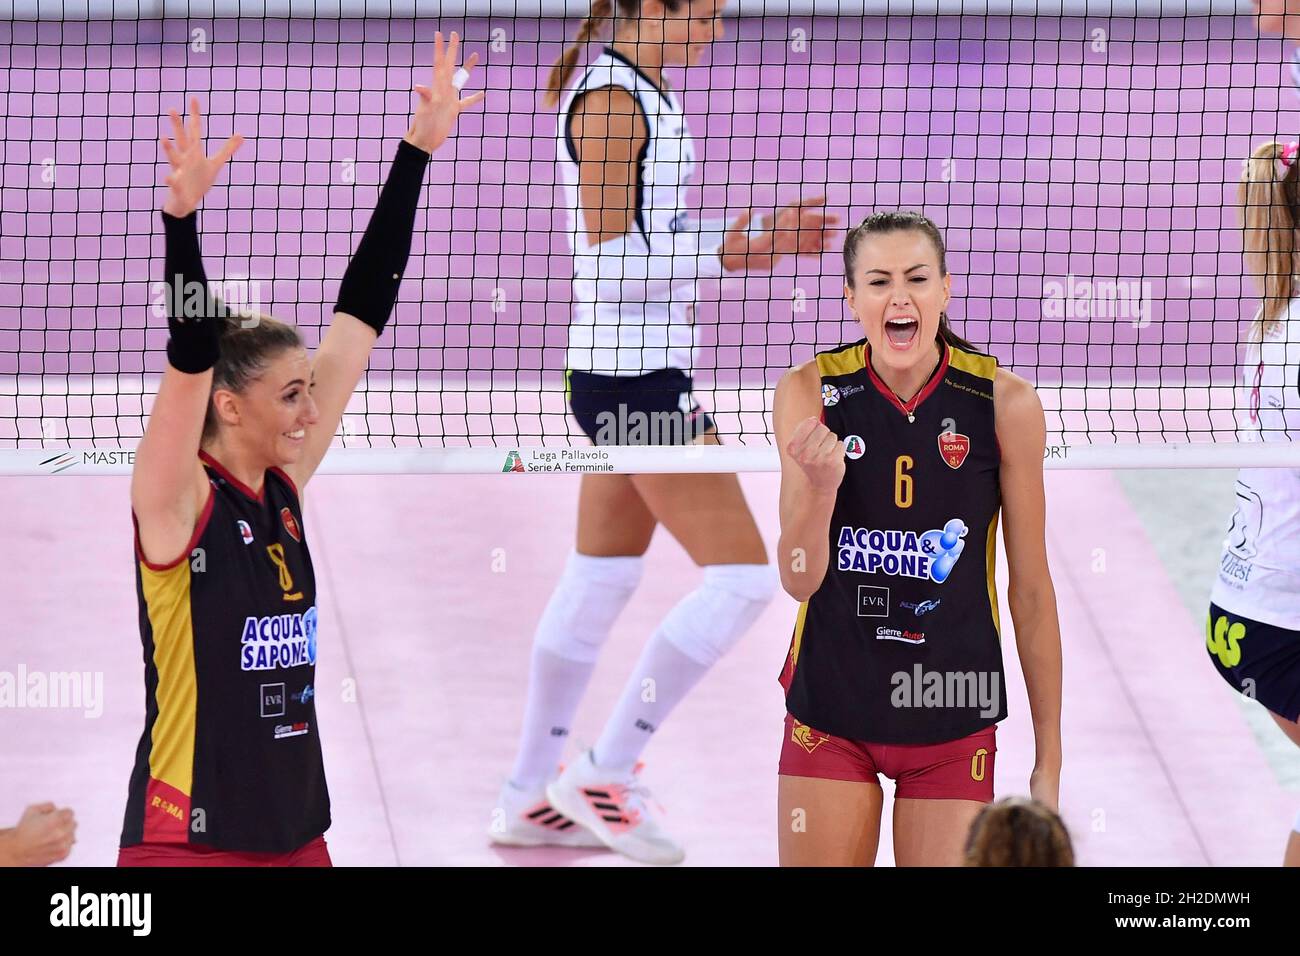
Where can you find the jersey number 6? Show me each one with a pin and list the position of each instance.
(903, 481)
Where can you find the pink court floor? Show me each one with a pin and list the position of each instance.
(429, 588)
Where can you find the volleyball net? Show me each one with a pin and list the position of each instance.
(1081, 160)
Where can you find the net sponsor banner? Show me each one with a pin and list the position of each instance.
(156, 9)
(695, 459)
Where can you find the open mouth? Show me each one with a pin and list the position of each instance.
(296, 436)
(901, 332)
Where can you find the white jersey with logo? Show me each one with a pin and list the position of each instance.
(653, 330)
(1259, 571)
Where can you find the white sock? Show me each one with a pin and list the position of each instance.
(555, 688)
(588, 598)
(694, 636)
(665, 676)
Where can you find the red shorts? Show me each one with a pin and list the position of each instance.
(954, 770)
(314, 853)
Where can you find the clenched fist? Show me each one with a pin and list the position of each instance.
(820, 453)
(43, 836)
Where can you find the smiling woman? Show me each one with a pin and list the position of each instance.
(262, 374)
(223, 572)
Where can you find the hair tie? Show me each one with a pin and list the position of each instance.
(1289, 153)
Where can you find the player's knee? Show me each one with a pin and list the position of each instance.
(590, 595)
(711, 619)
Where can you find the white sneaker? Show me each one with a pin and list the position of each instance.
(526, 818)
(616, 808)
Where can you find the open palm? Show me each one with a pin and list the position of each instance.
(440, 103)
(801, 228)
(192, 172)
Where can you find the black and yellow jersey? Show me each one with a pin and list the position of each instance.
(230, 756)
(900, 644)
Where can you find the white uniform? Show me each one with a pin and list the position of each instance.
(1259, 571)
(633, 298)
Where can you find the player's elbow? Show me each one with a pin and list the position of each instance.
(799, 592)
(1030, 599)
(801, 585)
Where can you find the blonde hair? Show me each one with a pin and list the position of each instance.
(1269, 197)
(1018, 831)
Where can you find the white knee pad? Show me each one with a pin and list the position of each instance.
(588, 598)
(711, 619)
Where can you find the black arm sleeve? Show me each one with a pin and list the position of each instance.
(369, 287)
(194, 317)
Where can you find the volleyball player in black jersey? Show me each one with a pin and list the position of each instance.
(229, 769)
(897, 453)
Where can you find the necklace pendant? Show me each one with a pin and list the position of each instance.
(911, 417)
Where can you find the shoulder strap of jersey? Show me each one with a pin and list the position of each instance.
(972, 363)
(844, 360)
(606, 71)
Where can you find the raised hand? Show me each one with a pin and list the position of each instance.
(819, 452)
(192, 172)
(440, 103)
(800, 228)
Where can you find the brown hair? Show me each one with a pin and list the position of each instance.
(601, 11)
(1018, 831)
(1269, 197)
(881, 223)
(249, 343)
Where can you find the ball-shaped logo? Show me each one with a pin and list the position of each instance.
(855, 447)
(309, 627)
(830, 395)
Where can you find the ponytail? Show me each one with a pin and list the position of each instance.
(601, 10)
(951, 337)
(1269, 197)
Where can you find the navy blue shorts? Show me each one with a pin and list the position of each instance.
(653, 409)
(1259, 660)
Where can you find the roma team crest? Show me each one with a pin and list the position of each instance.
(806, 737)
(291, 524)
(954, 448)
